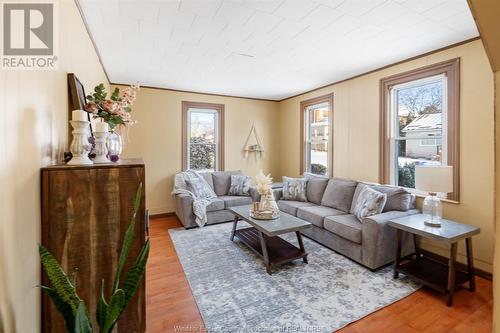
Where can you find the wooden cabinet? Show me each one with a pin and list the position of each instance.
(85, 212)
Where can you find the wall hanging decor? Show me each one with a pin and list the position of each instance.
(253, 146)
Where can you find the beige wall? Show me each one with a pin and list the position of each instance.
(33, 127)
(496, 273)
(157, 138)
(356, 138)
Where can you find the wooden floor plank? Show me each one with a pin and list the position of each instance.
(170, 305)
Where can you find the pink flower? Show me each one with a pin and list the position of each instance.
(109, 106)
(91, 107)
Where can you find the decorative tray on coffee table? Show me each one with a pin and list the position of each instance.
(264, 215)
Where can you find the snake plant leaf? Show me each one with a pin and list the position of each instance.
(59, 280)
(135, 273)
(115, 309)
(101, 308)
(82, 322)
(128, 239)
(63, 308)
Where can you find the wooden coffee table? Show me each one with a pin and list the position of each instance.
(262, 237)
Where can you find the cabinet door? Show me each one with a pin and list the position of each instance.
(85, 213)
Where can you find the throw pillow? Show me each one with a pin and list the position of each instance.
(240, 185)
(200, 188)
(369, 202)
(294, 189)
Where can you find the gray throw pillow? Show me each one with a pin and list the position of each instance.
(200, 188)
(240, 185)
(339, 193)
(294, 189)
(369, 202)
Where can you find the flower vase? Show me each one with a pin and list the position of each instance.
(114, 144)
(268, 203)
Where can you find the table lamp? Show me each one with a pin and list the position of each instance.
(433, 179)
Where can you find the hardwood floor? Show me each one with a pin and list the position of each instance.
(170, 304)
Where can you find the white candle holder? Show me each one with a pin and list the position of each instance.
(80, 146)
(101, 151)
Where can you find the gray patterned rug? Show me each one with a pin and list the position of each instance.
(235, 294)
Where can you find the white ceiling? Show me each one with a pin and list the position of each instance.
(268, 49)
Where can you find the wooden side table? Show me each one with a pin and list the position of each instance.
(427, 271)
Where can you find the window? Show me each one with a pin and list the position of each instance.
(202, 136)
(420, 123)
(316, 135)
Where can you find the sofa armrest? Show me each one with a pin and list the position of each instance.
(278, 193)
(184, 209)
(254, 194)
(379, 239)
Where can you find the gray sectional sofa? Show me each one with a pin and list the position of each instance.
(217, 212)
(329, 206)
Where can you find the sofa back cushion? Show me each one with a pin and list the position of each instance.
(222, 181)
(398, 198)
(316, 186)
(208, 178)
(339, 193)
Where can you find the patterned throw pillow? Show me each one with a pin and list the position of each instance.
(200, 188)
(240, 185)
(369, 202)
(294, 189)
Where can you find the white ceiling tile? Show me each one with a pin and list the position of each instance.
(262, 5)
(266, 48)
(295, 9)
(422, 5)
(358, 7)
(146, 11)
(204, 8)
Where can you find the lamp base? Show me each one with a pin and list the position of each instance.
(431, 223)
(432, 210)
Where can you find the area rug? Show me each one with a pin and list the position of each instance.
(235, 294)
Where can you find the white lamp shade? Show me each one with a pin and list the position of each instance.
(434, 178)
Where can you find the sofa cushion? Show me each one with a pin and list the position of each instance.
(339, 193)
(315, 187)
(290, 207)
(208, 178)
(222, 181)
(231, 200)
(294, 189)
(316, 214)
(345, 226)
(216, 204)
(398, 198)
(370, 202)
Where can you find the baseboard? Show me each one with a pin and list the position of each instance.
(161, 215)
(459, 265)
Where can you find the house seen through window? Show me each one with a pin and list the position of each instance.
(203, 128)
(418, 110)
